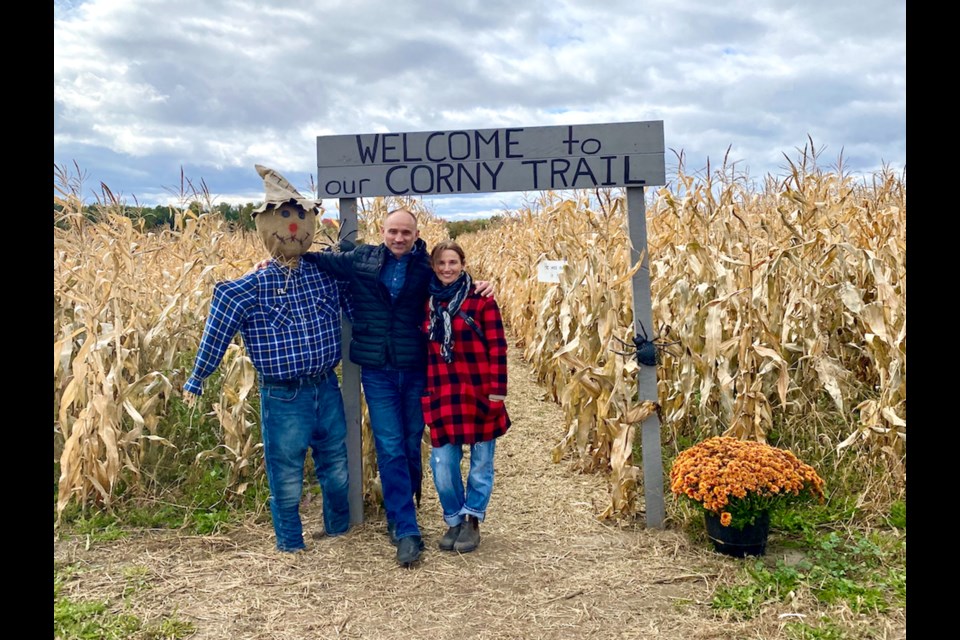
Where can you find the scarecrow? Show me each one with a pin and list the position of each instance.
(288, 315)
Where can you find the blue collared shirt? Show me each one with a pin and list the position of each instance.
(290, 325)
(394, 272)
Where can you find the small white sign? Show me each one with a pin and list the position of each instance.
(550, 270)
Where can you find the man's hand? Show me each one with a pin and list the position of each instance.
(484, 288)
(259, 266)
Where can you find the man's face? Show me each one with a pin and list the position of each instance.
(286, 231)
(400, 232)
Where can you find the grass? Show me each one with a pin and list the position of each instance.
(201, 505)
(898, 514)
(860, 570)
(845, 559)
(825, 629)
(176, 489)
(108, 620)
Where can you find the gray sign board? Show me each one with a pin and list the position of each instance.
(590, 156)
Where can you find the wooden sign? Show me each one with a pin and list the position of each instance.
(591, 156)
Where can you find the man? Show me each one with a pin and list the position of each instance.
(389, 286)
(288, 314)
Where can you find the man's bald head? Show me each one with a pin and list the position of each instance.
(400, 231)
(401, 210)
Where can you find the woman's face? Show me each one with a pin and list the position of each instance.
(448, 266)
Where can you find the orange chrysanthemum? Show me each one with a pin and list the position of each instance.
(740, 479)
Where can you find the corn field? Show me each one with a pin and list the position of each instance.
(786, 304)
(783, 307)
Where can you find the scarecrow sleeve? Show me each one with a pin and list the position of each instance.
(227, 312)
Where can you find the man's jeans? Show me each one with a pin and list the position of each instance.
(295, 415)
(456, 504)
(396, 419)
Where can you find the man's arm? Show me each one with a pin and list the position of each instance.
(324, 260)
(346, 298)
(339, 265)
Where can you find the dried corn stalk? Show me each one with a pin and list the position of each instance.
(778, 296)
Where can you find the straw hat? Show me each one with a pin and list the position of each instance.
(279, 191)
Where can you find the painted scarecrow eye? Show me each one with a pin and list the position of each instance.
(303, 215)
(285, 213)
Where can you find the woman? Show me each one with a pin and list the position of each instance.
(466, 387)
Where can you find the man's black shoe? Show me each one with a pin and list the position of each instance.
(408, 550)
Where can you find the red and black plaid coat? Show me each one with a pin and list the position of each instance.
(455, 404)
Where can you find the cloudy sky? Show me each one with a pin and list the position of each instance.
(144, 89)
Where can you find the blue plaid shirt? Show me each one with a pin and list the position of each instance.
(290, 326)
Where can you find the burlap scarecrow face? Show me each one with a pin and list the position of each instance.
(287, 230)
(286, 221)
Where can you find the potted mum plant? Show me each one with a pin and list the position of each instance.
(737, 483)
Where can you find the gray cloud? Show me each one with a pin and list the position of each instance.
(142, 89)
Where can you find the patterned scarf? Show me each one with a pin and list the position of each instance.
(441, 317)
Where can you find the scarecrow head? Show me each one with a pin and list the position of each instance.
(286, 221)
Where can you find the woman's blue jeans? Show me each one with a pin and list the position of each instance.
(396, 420)
(457, 503)
(296, 415)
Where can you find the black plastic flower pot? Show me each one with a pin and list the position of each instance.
(749, 541)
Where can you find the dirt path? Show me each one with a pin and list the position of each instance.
(546, 567)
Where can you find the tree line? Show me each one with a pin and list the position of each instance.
(240, 216)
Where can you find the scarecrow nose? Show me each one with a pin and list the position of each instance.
(293, 227)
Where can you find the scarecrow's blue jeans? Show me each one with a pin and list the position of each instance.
(297, 415)
(396, 420)
(457, 503)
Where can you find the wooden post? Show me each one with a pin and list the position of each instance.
(646, 376)
(350, 387)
